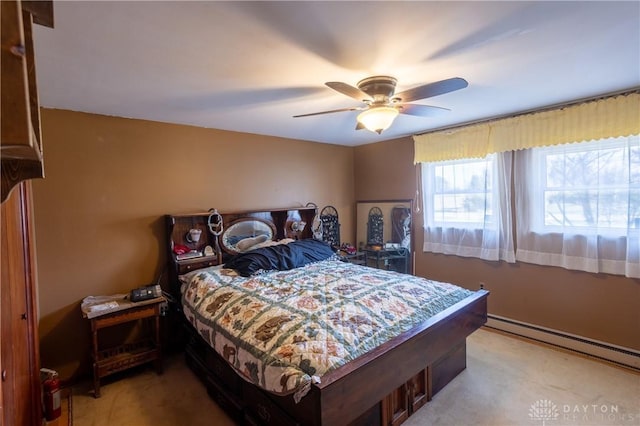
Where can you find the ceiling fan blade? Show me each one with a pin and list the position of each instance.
(432, 89)
(328, 112)
(348, 90)
(422, 110)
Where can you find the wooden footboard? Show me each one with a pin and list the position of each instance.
(382, 387)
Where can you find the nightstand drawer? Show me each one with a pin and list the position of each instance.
(132, 314)
(193, 264)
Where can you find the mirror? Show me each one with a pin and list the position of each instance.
(243, 234)
(383, 230)
(394, 226)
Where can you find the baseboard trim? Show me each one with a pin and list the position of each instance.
(625, 357)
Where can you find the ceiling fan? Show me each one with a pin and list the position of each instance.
(382, 105)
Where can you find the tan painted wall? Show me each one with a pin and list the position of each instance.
(99, 229)
(597, 306)
(109, 181)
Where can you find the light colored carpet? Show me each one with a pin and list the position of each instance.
(508, 381)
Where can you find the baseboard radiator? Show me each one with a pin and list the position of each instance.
(625, 357)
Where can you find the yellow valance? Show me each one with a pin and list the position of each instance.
(603, 118)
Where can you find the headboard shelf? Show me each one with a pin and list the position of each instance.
(250, 212)
(286, 222)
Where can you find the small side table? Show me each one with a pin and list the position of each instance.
(120, 358)
(359, 258)
(389, 259)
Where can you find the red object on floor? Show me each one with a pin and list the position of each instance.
(51, 388)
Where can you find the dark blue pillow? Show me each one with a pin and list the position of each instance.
(280, 257)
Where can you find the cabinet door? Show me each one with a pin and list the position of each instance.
(20, 136)
(395, 407)
(418, 390)
(17, 137)
(19, 352)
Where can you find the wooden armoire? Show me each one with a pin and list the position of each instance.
(21, 160)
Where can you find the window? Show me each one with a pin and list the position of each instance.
(462, 193)
(467, 207)
(578, 205)
(589, 185)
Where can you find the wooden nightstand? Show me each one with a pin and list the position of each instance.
(359, 257)
(107, 361)
(396, 259)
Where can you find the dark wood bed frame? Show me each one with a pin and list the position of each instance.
(382, 387)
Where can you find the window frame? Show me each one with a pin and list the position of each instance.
(538, 190)
(430, 190)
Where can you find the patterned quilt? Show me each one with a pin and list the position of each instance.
(281, 330)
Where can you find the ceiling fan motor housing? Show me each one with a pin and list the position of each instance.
(380, 87)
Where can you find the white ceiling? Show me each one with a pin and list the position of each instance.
(251, 66)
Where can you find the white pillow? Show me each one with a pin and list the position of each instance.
(247, 243)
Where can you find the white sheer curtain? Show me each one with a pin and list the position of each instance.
(578, 206)
(467, 208)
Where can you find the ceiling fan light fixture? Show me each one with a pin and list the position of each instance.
(378, 119)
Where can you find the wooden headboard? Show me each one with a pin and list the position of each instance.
(178, 227)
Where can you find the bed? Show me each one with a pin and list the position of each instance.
(380, 366)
